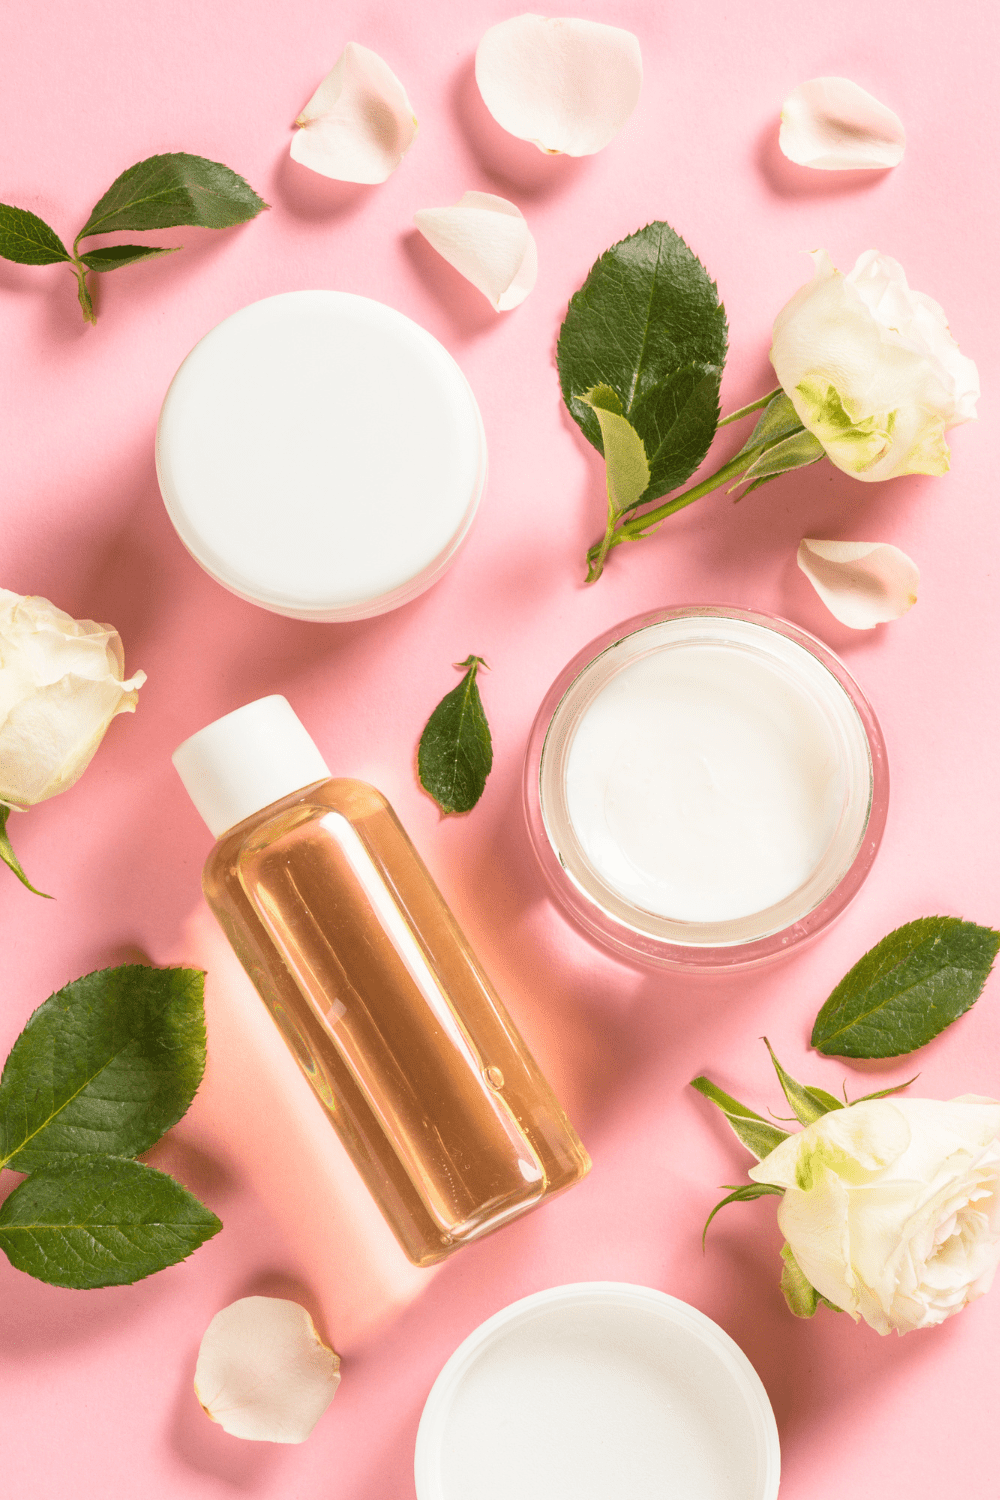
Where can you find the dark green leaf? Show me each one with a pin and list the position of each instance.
(115, 256)
(456, 751)
(101, 1221)
(807, 1104)
(8, 856)
(103, 1067)
(745, 1194)
(26, 238)
(907, 989)
(173, 189)
(757, 1134)
(648, 323)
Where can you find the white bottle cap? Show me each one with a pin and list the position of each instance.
(247, 760)
(321, 455)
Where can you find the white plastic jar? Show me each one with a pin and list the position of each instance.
(321, 455)
(705, 787)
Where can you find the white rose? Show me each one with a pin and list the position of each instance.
(892, 1207)
(872, 370)
(60, 687)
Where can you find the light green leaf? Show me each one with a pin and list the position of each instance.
(113, 257)
(175, 188)
(758, 1135)
(103, 1067)
(456, 751)
(648, 323)
(101, 1221)
(807, 1104)
(8, 856)
(907, 989)
(624, 455)
(26, 238)
(743, 1194)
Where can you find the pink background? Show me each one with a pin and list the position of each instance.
(96, 1387)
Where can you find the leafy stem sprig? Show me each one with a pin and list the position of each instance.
(157, 193)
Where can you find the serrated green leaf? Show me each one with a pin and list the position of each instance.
(103, 1067)
(624, 455)
(8, 856)
(101, 1221)
(456, 751)
(745, 1194)
(807, 1104)
(26, 238)
(113, 257)
(758, 1135)
(647, 311)
(175, 188)
(907, 989)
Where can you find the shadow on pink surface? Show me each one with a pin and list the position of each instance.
(788, 180)
(512, 164)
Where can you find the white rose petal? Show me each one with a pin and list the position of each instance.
(263, 1372)
(61, 684)
(892, 1207)
(872, 369)
(562, 84)
(835, 125)
(359, 124)
(488, 241)
(862, 584)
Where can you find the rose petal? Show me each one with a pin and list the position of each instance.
(835, 125)
(861, 583)
(359, 124)
(487, 240)
(263, 1372)
(562, 84)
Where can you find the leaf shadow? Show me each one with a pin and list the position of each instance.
(512, 164)
(787, 179)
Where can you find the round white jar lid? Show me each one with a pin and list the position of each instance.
(598, 1389)
(321, 455)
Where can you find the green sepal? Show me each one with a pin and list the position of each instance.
(797, 451)
(8, 856)
(27, 239)
(886, 1093)
(745, 1194)
(907, 989)
(778, 420)
(758, 1135)
(801, 1296)
(807, 1104)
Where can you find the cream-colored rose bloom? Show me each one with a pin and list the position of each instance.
(61, 684)
(892, 1207)
(872, 369)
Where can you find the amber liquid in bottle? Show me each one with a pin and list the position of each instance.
(424, 1076)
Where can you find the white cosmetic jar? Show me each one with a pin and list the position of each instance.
(595, 1390)
(321, 455)
(705, 787)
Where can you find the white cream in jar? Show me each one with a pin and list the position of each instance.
(711, 784)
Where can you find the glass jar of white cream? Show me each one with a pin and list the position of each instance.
(705, 787)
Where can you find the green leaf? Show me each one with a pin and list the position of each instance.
(758, 1135)
(648, 323)
(101, 1221)
(26, 238)
(807, 1104)
(173, 189)
(907, 989)
(103, 1067)
(624, 454)
(8, 856)
(115, 256)
(456, 751)
(745, 1194)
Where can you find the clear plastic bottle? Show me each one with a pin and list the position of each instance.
(351, 946)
